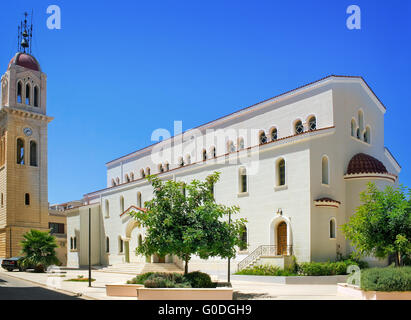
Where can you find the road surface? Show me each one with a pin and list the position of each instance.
(16, 289)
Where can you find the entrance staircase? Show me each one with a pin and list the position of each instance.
(268, 252)
(139, 268)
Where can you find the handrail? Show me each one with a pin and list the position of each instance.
(263, 250)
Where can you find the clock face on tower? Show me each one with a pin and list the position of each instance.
(28, 132)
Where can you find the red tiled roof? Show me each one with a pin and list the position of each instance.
(364, 163)
(325, 199)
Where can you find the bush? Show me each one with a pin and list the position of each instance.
(140, 278)
(199, 279)
(266, 270)
(386, 279)
(326, 268)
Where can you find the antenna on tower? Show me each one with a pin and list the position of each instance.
(25, 34)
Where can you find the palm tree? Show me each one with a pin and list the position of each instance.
(39, 250)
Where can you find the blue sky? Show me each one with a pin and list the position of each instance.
(196, 61)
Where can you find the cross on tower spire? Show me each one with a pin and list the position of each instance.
(25, 35)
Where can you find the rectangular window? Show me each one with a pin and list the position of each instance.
(243, 183)
(56, 227)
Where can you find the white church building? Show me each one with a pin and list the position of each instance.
(294, 164)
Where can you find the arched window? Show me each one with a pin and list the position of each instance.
(20, 151)
(19, 92)
(107, 245)
(139, 203)
(353, 127)
(140, 240)
(142, 173)
(312, 124)
(367, 135)
(242, 175)
(262, 138)
(325, 170)
(332, 228)
(120, 245)
(298, 127)
(2, 199)
(160, 168)
(181, 161)
(214, 152)
(113, 183)
(27, 199)
(28, 89)
(358, 133)
(167, 166)
(204, 155)
(117, 180)
(33, 153)
(274, 134)
(75, 243)
(230, 146)
(244, 239)
(127, 178)
(121, 204)
(71, 243)
(361, 120)
(240, 145)
(281, 172)
(148, 171)
(107, 208)
(36, 96)
(132, 176)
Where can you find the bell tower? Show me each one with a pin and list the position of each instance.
(23, 146)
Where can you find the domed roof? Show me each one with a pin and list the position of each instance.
(364, 163)
(25, 60)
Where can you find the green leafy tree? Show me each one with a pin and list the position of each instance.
(184, 220)
(39, 250)
(381, 226)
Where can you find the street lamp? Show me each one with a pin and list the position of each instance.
(228, 271)
(89, 247)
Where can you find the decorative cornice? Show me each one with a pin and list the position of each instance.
(27, 114)
(384, 176)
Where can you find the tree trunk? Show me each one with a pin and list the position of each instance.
(397, 259)
(186, 265)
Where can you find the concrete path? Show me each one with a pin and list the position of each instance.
(243, 290)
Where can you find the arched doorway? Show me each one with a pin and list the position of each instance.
(282, 239)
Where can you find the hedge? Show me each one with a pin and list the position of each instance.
(173, 280)
(386, 279)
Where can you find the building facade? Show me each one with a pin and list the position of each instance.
(294, 164)
(23, 152)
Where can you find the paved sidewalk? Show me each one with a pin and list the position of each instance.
(243, 290)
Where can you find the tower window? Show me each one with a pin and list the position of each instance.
(36, 96)
(332, 229)
(107, 245)
(19, 92)
(367, 135)
(299, 128)
(312, 124)
(274, 134)
(28, 89)
(353, 126)
(325, 170)
(262, 137)
(20, 151)
(27, 199)
(243, 180)
(281, 172)
(33, 153)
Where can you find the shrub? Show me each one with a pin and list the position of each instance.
(199, 279)
(326, 268)
(386, 279)
(266, 270)
(140, 278)
(161, 282)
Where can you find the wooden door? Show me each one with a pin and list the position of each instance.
(282, 239)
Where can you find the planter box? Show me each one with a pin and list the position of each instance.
(356, 292)
(122, 289)
(293, 279)
(184, 294)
